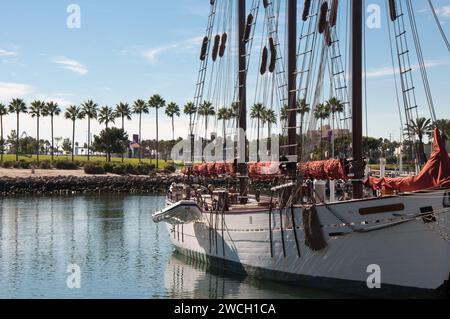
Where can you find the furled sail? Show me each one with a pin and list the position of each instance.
(435, 174)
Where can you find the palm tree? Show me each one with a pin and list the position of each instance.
(303, 109)
(257, 112)
(269, 118)
(335, 106)
(321, 113)
(3, 112)
(190, 109)
(157, 102)
(73, 113)
(224, 114)
(443, 126)
(36, 110)
(140, 107)
(123, 111)
(51, 109)
(89, 109)
(206, 110)
(420, 128)
(173, 110)
(106, 115)
(17, 106)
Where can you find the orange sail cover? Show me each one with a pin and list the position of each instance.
(435, 174)
(323, 170)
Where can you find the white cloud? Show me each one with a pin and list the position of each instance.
(7, 53)
(387, 71)
(443, 11)
(71, 65)
(60, 98)
(152, 54)
(10, 90)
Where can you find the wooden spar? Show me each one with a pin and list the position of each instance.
(242, 123)
(292, 86)
(356, 97)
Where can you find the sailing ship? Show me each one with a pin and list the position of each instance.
(298, 231)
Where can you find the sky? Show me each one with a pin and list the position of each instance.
(128, 50)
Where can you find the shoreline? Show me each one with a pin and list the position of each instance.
(72, 182)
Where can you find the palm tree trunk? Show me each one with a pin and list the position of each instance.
(269, 139)
(89, 139)
(321, 139)
(51, 124)
(140, 138)
(224, 142)
(123, 129)
(257, 144)
(157, 140)
(73, 141)
(37, 135)
(107, 154)
(17, 139)
(173, 129)
(3, 142)
(300, 153)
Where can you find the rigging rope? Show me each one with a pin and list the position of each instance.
(439, 25)
(423, 69)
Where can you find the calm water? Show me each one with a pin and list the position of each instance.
(120, 251)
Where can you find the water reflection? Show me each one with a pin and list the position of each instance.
(121, 253)
(188, 278)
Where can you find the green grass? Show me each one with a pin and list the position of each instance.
(31, 158)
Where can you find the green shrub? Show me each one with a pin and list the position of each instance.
(93, 169)
(144, 169)
(7, 164)
(23, 164)
(119, 169)
(108, 167)
(171, 168)
(44, 165)
(65, 165)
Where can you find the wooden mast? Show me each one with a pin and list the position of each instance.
(242, 122)
(292, 87)
(357, 170)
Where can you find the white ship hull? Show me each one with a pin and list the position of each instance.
(412, 254)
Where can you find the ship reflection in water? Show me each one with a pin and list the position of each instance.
(187, 278)
(120, 251)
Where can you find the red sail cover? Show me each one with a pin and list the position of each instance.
(323, 170)
(435, 174)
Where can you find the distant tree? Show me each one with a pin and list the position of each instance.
(157, 102)
(257, 113)
(3, 112)
(67, 146)
(123, 111)
(190, 110)
(73, 113)
(106, 115)
(36, 110)
(442, 125)
(51, 109)
(420, 127)
(111, 140)
(89, 109)
(173, 110)
(321, 113)
(140, 107)
(17, 106)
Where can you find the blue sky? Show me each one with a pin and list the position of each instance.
(129, 50)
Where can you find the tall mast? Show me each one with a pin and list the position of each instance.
(242, 123)
(292, 86)
(356, 100)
